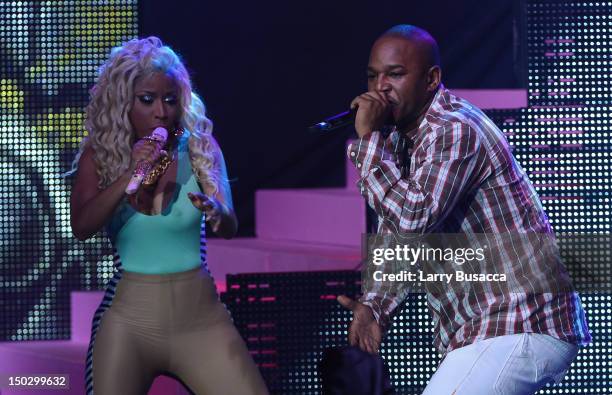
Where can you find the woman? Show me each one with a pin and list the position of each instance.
(161, 313)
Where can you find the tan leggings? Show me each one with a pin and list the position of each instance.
(171, 324)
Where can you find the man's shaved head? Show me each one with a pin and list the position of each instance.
(427, 45)
(404, 67)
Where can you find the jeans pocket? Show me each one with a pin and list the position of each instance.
(563, 348)
(519, 368)
(554, 356)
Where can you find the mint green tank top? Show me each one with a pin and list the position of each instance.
(168, 242)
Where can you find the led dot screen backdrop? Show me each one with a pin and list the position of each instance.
(288, 319)
(564, 136)
(50, 52)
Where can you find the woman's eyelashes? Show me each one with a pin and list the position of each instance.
(170, 99)
(149, 99)
(145, 99)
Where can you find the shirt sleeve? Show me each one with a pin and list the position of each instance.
(444, 168)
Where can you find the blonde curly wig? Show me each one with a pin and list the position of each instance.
(110, 133)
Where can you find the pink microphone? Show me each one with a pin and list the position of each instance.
(159, 137)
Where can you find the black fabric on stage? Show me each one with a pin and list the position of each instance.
(351, 371)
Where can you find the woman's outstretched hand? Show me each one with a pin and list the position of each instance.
(211, 207)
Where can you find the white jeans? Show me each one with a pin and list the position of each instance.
(506, 365)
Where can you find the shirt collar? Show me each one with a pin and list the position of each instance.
(413, 134)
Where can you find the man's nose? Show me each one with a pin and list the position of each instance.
(382, 83)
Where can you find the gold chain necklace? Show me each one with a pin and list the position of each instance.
(154, 175)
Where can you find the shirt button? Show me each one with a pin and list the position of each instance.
(359, 165)
(353, 153)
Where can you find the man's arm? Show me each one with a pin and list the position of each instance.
(448, 164)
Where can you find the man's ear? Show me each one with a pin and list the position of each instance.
(434, 77)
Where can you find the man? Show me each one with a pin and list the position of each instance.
(446, 167)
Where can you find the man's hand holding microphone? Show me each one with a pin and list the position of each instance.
(373, 109)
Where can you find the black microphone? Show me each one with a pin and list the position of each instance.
(337, 121)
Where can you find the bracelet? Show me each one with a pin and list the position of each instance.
(151, 139)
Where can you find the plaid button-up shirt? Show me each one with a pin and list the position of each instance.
(455, 174)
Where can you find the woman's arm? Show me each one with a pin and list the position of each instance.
(218, 206)
(92, 207)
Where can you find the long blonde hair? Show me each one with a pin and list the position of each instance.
(110, 132)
